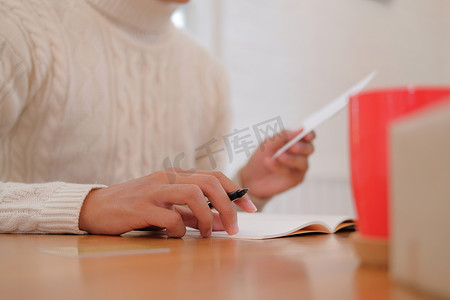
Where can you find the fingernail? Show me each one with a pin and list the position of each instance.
(234, 229)
(252, 206)
(208, 234)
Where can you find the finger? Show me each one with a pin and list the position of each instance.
(310, 136)
(288, 135)
(191, 195)
(273, 144)
(216, 193)
(166, 218)
(229, 186)
(188, 217)
(307, 138)
(191, 220)
(296, 162)
(217, 223)
(283, 170)
(302, 148)
(277, 167)
(244, 203)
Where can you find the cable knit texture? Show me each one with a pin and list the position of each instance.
(92, 94)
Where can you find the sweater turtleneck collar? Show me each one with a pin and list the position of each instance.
(147, 19)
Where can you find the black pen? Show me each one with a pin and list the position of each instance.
(237, 194)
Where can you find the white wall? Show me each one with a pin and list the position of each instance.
(289, 57)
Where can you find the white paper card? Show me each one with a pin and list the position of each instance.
(326, 112)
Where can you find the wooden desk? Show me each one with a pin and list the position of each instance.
(306, 267)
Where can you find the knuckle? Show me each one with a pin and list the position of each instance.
(160, 176)
(168, 175)
(177, 170)
(219, 175)
(212, 181)
(172, 220)
(165, 171)
(193, 191)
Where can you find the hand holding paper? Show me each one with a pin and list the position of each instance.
(326, 112)
(266, 177)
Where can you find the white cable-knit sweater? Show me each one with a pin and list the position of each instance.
(94, 93)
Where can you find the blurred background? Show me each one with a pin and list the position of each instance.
(288, 58)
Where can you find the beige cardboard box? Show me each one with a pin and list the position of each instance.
(420, 200)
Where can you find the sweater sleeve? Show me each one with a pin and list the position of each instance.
(52, 207)
(32, 208)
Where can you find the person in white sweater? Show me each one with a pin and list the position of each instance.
(95, 95)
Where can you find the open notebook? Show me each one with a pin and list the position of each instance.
(258, 226)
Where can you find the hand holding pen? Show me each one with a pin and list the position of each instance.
(234, 195)
(173, 204)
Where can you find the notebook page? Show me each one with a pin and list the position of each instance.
(264, 226)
